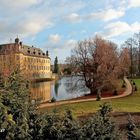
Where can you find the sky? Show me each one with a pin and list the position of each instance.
(57, 25)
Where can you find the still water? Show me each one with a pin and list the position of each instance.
(63, 89)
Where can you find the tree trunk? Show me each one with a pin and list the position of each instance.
(93, 91)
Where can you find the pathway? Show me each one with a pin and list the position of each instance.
(127, 92)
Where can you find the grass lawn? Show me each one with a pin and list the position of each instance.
(126, 104)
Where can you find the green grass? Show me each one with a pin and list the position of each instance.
(125, 104)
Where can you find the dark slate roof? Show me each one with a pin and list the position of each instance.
(32, 51)
(28, 50)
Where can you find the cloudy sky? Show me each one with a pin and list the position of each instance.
(56, 25)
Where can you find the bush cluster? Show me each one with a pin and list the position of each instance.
(20, 120)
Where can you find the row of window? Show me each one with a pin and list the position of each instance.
(31, 60)
(6, 58)
(30, 67)
(37, 60)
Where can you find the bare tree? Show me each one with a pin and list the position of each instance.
(131, 44)
(97, 61)
(137, 37)
(124, 62)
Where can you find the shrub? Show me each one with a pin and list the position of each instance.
(135, 88)
(18, 116)
(61, 128)
(133, 133)
(115, 92)
(123, 84)
(53, 100)
(100, 126)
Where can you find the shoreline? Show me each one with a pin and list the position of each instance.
(127, 92)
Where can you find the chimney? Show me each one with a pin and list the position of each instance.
(17, 40)
(20, 43)
(47, 53)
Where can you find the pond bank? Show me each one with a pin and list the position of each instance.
(127, 92)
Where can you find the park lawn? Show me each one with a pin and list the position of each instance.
(126, 104)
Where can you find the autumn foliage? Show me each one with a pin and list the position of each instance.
(99, 62)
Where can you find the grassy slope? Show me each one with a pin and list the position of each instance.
(126, 104)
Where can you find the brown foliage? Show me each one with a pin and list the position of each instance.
(98, 62)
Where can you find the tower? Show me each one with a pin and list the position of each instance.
(17, 40)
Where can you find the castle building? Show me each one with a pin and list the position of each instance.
(32, 61)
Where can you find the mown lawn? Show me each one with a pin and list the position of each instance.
(126, 104)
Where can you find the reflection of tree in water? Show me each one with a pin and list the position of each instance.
(56, 87)
(75, 84)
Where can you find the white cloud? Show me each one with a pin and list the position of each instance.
(33, 25)
(107, 15)
(28, 27)
(18, 3)
(61, 49)
(135, 27)
(54, 38)
(55, 43)
(118, 28)
(28, 18)
(69, 44)
(73, 17)
(134, 3)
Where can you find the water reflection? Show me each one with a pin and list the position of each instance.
(56, 87)
(41, 91)
(63, 89)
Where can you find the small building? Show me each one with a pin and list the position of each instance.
(32, 61)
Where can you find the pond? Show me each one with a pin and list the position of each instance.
(63, 89)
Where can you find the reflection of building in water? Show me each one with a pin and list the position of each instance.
(32, 61)
(41, 91)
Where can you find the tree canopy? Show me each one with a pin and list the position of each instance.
(98, 61)
(56, 67)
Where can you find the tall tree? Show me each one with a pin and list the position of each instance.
(137, 37)
(97, 61)
(131, 45)
(124, 61)
(18, 114)
(56, 67)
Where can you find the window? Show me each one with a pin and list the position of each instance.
(17, 57)
(29, 67)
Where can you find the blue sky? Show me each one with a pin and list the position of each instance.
(56, 25)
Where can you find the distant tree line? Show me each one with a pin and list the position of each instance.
(133, 45)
